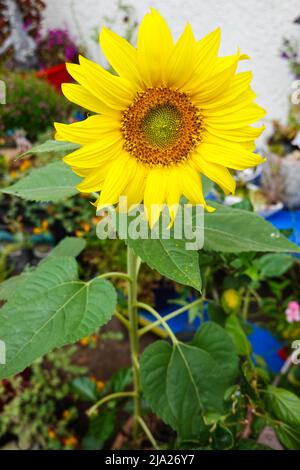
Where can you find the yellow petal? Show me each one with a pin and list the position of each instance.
(238, 85)
(155, 194)
(231, 156)
(205, 60)
(95, 179)
(79, 95)
(90, 130)
(237, 119)
(207, 53)
(217, 173)
(154, 45)
(95, 154)
(114, 91)
(222, 139)
(174, 192)
(181, 63)
(192, 187)
(242, 134)
(135, 189)
(243, 100)
(216, 82)
(121, 55)
(82, 171)
(121, 172)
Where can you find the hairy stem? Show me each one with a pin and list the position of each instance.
(171, 315)
(132, 272)
(160, 319)
(104, 400)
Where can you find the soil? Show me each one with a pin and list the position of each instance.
(109, 355)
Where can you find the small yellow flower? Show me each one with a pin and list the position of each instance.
(45, 225)
(13, 174)
(231, 300)
(96, 220)
(100, 385)
(85, 226)
(51, 434)
(174, 111)
(71, 441)
(78, 233)
(25, 165)
(42, 229)
(84, 341)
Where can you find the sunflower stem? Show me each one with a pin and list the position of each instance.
(132, 271)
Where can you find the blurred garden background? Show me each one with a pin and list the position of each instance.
(45, 406)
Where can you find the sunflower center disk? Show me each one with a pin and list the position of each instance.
(161, 127)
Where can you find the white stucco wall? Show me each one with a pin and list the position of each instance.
(256, 26)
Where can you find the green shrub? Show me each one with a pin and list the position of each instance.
(32, 105)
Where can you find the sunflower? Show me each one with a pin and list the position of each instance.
(170, 113)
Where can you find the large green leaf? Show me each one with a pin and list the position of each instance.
(171, 259)
(215, 340)
(53, 182)
(288, 435)
(225, 230)
(69, 246)
(274, 264)
(10, 286)
(52, 308)
(235, 230)
(52, 146)
(184, 382)
(284, 404)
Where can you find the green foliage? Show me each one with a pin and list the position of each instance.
(274, 265)
(32, 105)
(235, 230)
(85, 388)
(51, 146)
(69, 246)
(32, 327)
(171, 259)
(225, 230)
(238, 336)
(284, 404)
(34, 403)
(206, 367)
(53, 182)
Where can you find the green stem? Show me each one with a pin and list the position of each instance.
(123, 320)
(132, 272)
(115, 274)
(104, 400)
(246, 304)
(148, 433)
(171, 315)
(160, 319)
